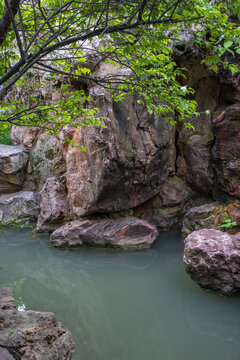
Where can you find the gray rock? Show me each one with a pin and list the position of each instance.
(200, 217)
(124, 233)
(20, 207)
(31, 334)
(46, 160)
(212, 259)
(226, 150)
(54, 204)
(13, 161)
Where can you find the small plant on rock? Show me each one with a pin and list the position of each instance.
(227, 223)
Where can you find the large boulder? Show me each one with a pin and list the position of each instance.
(212, 259)
(13, 161)
(125, 162)
(54, 204)
(226, 150)
(31, 334)
(207, 216)
(21, 207)
(127, 233)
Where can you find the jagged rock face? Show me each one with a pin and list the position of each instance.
(31, 334)
(226, 150)
(125, 162)
(206, 216)
(13, 160)
(20, 207)
(54, 204)
(167, 208)
(212, 259)
(194, 147)
(127, 233)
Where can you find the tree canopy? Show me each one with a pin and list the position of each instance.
(51, 36)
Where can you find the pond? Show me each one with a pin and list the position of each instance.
(122, 305)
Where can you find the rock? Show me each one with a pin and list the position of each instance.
(234, 212)
(128, 233)
(200, 217)
(194, 147)
(20, 207)
(54, 204)
(13, 160)
(23, 135)
(31, 334)
(5, 355)
(174, 192)
(226, 150)
(166, 210)
(46, 161)
(212, 259)
(125, 163)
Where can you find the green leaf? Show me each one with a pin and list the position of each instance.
(227, 44)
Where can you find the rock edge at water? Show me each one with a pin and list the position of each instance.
(125, 233)
(212, 259)
(31, 334)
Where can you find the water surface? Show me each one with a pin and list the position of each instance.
(122, 305)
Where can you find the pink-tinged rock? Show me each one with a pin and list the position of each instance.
(127, 233)
(54, 204)
(13, 161)
(212, 259)
(4, 354)
(32, 335)
(23, 135)
(226, 150)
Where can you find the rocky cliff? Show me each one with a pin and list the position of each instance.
(137, 165)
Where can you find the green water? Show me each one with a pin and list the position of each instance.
(119, 305)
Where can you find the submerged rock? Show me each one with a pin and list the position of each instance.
(31, 334)
(212, 259)
(21, 207)
(54, 204)
(123, 233)
(13, 160)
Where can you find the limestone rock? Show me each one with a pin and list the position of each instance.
(212, 259)
(205, 216)
(21, 207)
(124, 233)
(54, 204)
(13, 160)
(226, 150)
(31, 334)
(46, 160)
(125, 163)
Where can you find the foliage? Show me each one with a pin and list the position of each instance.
(139, 36)
(227, 223)
(18, 224)
(5, 137)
